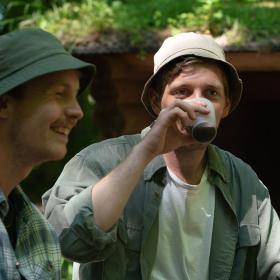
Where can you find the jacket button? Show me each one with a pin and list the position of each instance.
(17, 265)
(157, 194)
(2, 205)
(50, 267)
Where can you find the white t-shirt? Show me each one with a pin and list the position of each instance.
(186, 217)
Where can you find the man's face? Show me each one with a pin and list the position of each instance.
(198, 80)
(41, 119)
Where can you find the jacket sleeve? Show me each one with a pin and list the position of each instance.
(68, 207)
(268, 260)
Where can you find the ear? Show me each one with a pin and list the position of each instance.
(4, 107)
(155, 100)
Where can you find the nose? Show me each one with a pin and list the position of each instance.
(74, 111)
(197, 93)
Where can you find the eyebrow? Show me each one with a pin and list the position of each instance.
(215, 85)
(182, 85)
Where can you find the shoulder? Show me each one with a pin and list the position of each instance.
(240, 173)
(122, 144)
(106, 154)
(229, 160)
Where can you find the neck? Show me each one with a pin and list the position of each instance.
(186, 164)
(12, 172)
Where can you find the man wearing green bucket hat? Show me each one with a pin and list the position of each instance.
(167, 204)
(39, 83)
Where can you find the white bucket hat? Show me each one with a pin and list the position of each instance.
(198, 45)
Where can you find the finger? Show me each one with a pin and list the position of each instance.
(174, 117)
(194, 108)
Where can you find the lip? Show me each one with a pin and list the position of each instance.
(61, 130)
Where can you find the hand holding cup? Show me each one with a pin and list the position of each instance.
(204, 127)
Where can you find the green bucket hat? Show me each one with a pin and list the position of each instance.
(31, 52)
(198, 45)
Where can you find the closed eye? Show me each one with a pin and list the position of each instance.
(60, 95)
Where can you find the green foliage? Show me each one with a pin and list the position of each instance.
(13, 12)
(66, 269)
(73, 21)
(261, 20)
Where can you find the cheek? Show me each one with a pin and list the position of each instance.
(49, 115)
(219, 117)
(219, 113)
(41, 120)
(166, 100)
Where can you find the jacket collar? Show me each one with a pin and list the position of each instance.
(156, 164)
(4, 205)
(216, 163)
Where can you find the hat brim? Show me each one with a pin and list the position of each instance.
(50, 64)
(234, 83)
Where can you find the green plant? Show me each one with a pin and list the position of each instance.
(73, 21)
(66, 269)
(13, 12)
(65, 21)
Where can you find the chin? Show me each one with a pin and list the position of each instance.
(60, 155)
(57, 154)
(194, 145)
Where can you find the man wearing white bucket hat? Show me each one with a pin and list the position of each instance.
(167, 204)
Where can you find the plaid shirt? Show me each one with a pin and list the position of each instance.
(37, 253)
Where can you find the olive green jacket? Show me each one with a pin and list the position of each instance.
(246, 231)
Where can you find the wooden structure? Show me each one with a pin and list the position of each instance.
(250, 132)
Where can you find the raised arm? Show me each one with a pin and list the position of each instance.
(110, 195)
